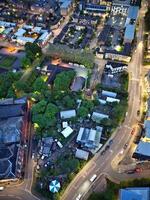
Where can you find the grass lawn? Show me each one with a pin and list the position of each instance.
(7, 62)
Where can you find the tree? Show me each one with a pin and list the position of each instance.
(33, 51)
(147, 17)
(21, 86)
(40, 107)
(82, 112)
(26, 62)
(68, 102)
(40, 85)
(51, 110)
(63, 80)
(11, 93)
(88, 104)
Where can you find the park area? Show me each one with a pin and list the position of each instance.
(7, 61)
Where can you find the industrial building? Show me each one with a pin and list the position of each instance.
(129, 33)
(12, 135)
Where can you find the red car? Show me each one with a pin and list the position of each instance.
(138, 170)
(132, 132)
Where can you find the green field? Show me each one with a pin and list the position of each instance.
(7, 61)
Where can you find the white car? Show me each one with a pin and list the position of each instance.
(1, 188)
(93, 177)
(79, 197)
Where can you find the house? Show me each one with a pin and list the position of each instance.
(81, 154)
(31, 34)
(67, 114)
(65, 6)
(97, 117)
(139, 193)
(46, 145)
(89, 138)
(113, 67)
(109, 94)
(67, 131)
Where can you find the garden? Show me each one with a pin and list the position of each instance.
(7, 61)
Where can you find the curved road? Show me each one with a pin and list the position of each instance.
(103, 164)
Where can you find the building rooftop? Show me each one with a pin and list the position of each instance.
(77, 84)
(129, 32)
(97, 117)
(81, 154)
(8, 160)
(89, 138)
(67, 114)
(133, 12)
(147, 128)
(13, 110)
(67, 131)
(142, 150)
(141, 193)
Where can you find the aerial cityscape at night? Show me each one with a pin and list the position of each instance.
(74, 100)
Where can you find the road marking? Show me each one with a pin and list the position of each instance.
(128, 127)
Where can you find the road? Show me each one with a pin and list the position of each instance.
(103, 164)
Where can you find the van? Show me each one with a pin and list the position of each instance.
(93, 178)
(79, 197)
(59, 144)
(1, 188)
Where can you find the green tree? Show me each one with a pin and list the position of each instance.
(88, 104)
(26, 62)
(40, 107)
(147, 17)
(68, 102)
(82, 112)
(40, 85)
(63, 81)
(33, 51)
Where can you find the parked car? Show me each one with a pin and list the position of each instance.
(132, 132)
(125, 146)
(107, 147)
(130, 172)
(1, 188)
(138, 170)
(138, 112)
(93, 178)
(79, 197)
(110, 142)
(102, 153)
